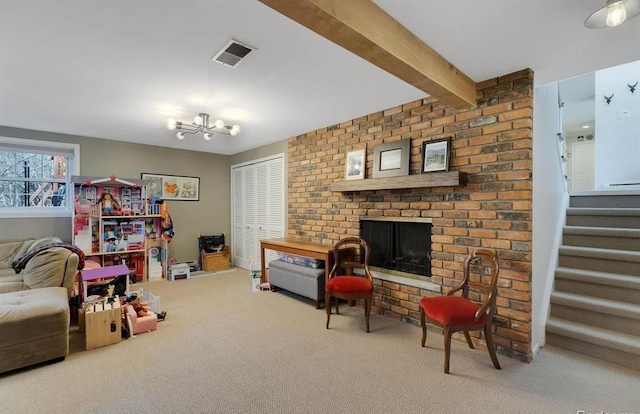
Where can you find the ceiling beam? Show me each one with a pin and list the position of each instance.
(366, 30)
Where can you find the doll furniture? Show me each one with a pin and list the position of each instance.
(141, 324)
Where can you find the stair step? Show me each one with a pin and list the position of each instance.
(602, 260)
(609, 307)
(597, 336)
(606, 199)
(602, 237)
(614, 347)
(604, 217)
(600, 278)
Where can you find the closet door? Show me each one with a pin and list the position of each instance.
(258, 209)
(238, 250)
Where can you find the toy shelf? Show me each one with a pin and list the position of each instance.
(115, 223)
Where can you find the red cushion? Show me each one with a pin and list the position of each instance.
(452, 310)
(352, 285)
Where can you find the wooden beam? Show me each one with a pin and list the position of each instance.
(363, 28)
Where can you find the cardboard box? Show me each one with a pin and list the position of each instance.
(179, 271)
(102, 322)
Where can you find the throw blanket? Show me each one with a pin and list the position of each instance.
(22, 261)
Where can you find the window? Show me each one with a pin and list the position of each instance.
(35, 177)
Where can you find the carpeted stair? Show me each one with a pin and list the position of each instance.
(595, 305)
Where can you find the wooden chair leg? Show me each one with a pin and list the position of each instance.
(423, 324)
(337, 306)
(327, 306)
(367, 311)
(488, 336)
(316, 303)
(447, 348)
(466, 335)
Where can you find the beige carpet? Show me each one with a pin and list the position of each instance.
(226, 349)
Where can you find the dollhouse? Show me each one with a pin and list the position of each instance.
(115, 223)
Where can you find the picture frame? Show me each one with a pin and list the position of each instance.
(355, 165)
(172, 187)
(436, 155)
(391, 159)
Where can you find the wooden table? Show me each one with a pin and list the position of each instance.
(299, 246)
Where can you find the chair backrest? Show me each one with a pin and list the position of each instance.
(487, 283)
(351, 253)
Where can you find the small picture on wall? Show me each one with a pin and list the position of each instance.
(355, 165)
(435, 155)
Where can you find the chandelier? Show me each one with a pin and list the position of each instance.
(201, 124)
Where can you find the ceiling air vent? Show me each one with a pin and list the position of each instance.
(232, 53)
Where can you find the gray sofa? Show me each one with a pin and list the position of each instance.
(34, 304)
(300, 280)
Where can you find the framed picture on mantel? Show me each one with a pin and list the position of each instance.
(355, 165)
(391, 159)
(435, 155)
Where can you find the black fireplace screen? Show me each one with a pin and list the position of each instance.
(400, 246)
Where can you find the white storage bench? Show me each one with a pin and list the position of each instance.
(301, 280)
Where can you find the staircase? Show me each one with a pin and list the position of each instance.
(595, 305)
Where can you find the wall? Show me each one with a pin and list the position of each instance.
(550, 200)
(617, 139)
(99, 157)
(491, 142)
(279, 147)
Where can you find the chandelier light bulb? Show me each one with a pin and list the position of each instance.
(202, 124)
(616, 14)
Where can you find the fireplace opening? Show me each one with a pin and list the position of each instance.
(399, 246)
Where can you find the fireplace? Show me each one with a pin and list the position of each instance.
(399, 245)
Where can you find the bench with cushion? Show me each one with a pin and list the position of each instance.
(301, 280)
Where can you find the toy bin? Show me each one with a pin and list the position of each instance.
(213, 262)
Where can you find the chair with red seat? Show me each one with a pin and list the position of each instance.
(350, 254)
(460, 313)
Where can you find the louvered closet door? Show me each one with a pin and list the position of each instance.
(270, 202)
(238, 251)
(258, 209)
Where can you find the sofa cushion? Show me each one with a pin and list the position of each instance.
(46, 268)
(42, 242)
(11, 283)
(10, 250)
(34, 326)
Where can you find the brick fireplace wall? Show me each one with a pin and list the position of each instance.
(491, 142)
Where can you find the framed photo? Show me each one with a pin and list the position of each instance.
(435, 155)
(355, 165)
(172, 187)
(391, 159)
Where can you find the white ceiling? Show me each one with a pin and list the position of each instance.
(118, 69)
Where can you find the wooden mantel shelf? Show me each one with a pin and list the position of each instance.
(433, 179)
